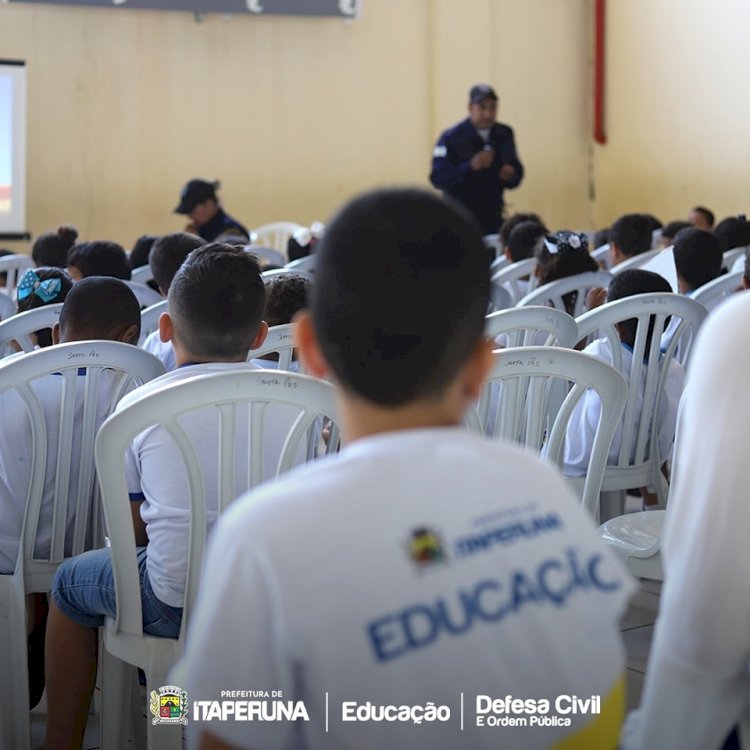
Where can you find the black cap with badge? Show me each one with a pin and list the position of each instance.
(194, 193)
(481, 91)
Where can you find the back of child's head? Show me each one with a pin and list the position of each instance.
(286, 295)
(632, 234)
(697, 256)
(702, 217)
(513, 221)
(42, 286)
(51, 248)
(561, 255)
(99, 258)
(141, 250)
(400, 294)
(629, 283)
(523, 239)
(100, 307)
(670, 231)
(168, 253)
(216, 302)
(732, 232)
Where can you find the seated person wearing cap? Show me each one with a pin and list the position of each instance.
(199, 203)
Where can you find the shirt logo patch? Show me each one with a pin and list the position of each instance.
(425, 547)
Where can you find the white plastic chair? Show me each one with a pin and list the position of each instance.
(518, 278)
(142, 274)
(500, 298)
(150, 319)
(145, 295)
(239, 397)
(280, 340)
(601, 256)
(493, 242)
(638, 462)
(14, 266)
(100, 372)
(303, 264)
(552, 294)
(276, 235)
(717, 290)
(523, 326)
(7, 307)
(500, 262)
(22, 325)
(523, 415)
(267, 254)
(636, 261)
(729, 257)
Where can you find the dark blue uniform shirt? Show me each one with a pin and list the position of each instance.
(222, 224)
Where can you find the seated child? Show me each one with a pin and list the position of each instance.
(51, 248)
(669, 232)
(387, 574)
(701, 218)
(167, 254)
(629, 236)
(732, 232)
(98, 258)
(215, 307)
(42, 286)
(585, 416)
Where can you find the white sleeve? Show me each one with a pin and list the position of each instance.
(234, 641)
(697, 686)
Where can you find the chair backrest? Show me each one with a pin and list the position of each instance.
(275, 235)
(493, 242)
(500, 298)
(14, 266)
(21, 326)
(280, 340)
(80, 384)
(303, 264)
(601, 256)
(528, 376)
(636, 261)
(239, 399)
(142, 274)
(500, 262)
(553, 294)
(729, 257)
(524, 326)
(145, 295)
(718, 289)
(267, 254)
(649, 367)
(518, 278)
(150, 319)
(7, 306)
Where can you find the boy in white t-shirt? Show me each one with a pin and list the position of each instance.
(215, 309)
(424, 572)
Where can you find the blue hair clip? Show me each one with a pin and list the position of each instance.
(30, 283)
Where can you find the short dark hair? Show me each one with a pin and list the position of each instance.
(601, 237)
(216, 301)
(671, 229)
(734, 231)
(707, 214)
(629, 283)
(512, 221)
(632, 234)
(51, 248)
(100, 307)
(523, 239)
(168, 253)
(400, 294)
(141, 250)
(286, 295)
(100, 258)
(43, 273)
(697, 256)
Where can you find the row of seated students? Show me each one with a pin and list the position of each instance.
(404, 247)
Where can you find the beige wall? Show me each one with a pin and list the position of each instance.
(293, 115)
(677, 109)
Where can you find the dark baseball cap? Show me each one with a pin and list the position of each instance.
(195, 192)
(481, 91)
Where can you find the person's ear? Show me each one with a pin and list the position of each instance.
(166, 327)
(260, 335)
(56, 334)
(477, 368)
(130, 335)
(308, 345)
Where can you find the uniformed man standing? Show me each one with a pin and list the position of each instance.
(476, 160)
(199, 202)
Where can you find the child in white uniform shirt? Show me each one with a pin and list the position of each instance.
(585, 417)
(215, 305)
(424, 566)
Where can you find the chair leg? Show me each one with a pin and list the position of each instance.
(160, 736)
(116, 679)
(611, 504)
